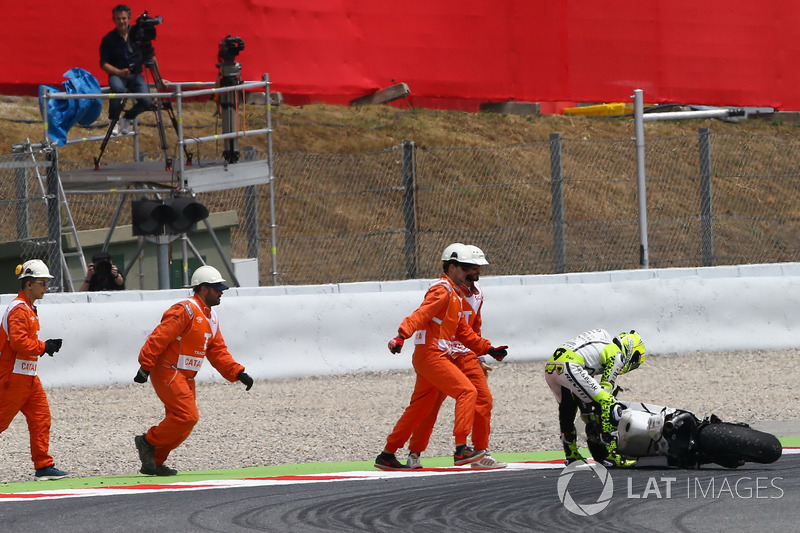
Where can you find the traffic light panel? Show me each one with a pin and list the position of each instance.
(148, 217)
(186, 213)
(172, 216)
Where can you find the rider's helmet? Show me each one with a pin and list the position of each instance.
(632, 347)
(477, 255)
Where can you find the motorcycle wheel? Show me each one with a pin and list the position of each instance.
(730, 445)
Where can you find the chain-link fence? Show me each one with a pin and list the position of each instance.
(341, 218)
(27, 201)
(23, 206)
(563, 205)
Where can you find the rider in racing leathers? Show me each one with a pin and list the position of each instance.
(569, 374)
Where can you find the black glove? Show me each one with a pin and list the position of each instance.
(141, 376)
(246, 379)
(51, 346)
(499, 353)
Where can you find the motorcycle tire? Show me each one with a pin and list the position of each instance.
(731, 445)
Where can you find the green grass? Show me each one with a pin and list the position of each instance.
(271, 471)
(239, 473)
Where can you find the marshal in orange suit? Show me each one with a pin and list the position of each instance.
(438, 327)
(173, 353)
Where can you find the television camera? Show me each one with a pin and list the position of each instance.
(143, 33)
(229, 48)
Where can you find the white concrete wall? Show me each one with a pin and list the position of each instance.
(326, 329)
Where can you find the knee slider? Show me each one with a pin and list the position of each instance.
(616, 413)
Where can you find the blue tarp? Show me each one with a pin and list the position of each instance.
(63, 114)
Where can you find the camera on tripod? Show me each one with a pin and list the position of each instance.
(230, 47)
(144, 32)
(229, 75)
(145, 29)
(141, 35)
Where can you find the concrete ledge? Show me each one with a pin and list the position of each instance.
(790, 269)
(293, 331)
(776, 270)
(511, 108)
(279, 290)
(405, 285)
(260, 98)
(588, 277)
(789, 116)
(104, 297)
(395, 92)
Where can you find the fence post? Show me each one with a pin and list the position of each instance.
(704, 141)
(251, 211)
(410, 210)
(557, 199)
(641, 187)
(54, 254)
(273, 225)
(251, 221)
(21, 187)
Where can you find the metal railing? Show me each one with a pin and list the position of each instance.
(93, 205)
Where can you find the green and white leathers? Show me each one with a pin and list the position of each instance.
(571, 373)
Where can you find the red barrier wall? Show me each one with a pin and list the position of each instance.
(451, 52)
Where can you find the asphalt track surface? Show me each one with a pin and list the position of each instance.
(750, 498)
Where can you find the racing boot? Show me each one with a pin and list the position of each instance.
(614, 459)
(570, 441)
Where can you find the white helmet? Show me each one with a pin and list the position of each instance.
(478, 257)
(207, 274)
(35, 268)
(457, 252)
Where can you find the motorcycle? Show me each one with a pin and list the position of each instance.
(681, 439)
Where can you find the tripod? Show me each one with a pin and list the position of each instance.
(229, 75)
(150, 66)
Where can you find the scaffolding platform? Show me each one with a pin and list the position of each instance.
(178, 178)
(199, 177)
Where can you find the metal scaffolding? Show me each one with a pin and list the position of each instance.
(137, 179)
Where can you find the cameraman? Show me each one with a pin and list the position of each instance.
(103, 275)
(122, 59)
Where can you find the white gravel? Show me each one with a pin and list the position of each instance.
(342, 418)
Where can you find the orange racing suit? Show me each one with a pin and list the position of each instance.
(438, 327)
(173, 353)
(20, 388)
(470, 365)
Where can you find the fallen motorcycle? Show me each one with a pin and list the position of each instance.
(681, 439)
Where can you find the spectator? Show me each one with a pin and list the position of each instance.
(103, 275)
(121, 59)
